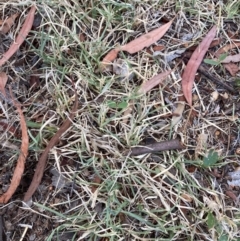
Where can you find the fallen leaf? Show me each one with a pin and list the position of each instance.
(226, 48)
(154, 81)
(215, 42)
(43, 159)
(18, 172)
(201, 144)
(82, 37)
(177, 114)
(232, 68)
(96, 181)
(193, 64)
(21, 36)
(137, 44)
(3, 81)
(231, 195)
(231, 58)
(8, 23)
(146, 39)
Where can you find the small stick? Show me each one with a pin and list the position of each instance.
(43, 159)
(174, 144)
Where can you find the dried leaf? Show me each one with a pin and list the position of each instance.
(201, 144)
(109, 57)
(3, 81)
(21, 36)
(177, 114)
(154, 81)
(96, 181)
(8, 23)
(232, 68)
(226, 48)
(137, 44)
(193, 64)
(43, 159)
(146, 39)
(231, 194)
(231, 58)
(18, 172)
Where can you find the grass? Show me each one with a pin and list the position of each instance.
(113, 197)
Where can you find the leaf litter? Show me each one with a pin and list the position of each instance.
(96, 144)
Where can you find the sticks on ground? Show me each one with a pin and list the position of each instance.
(174, 144)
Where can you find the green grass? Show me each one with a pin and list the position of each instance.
(139, 198)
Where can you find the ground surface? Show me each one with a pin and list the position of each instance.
(90, 190)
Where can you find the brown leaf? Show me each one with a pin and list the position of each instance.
(231, 195)
(226, 48)
(232, 68)
(146, 39)
(154, 81)
(215, 42)
(43, 159)
(96, 181)
(3, 81)
(138, 43)
(193, 64)
(231, 58)
(8, 23)
(21, 36)
(18, 172)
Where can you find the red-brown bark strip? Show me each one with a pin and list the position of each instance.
(43, 159)
(21, 36)
(18, 172)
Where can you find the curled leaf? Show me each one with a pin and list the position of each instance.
(18, 172)
(193, 64)
(21, 36)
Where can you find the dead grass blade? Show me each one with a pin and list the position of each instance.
(43, 159)
(193, 64)
(8, 23)
(137, 44)
(3, 81)
(21, 36)
(18, 172)
(147, 86)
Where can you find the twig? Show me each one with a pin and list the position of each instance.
(43, 159)
(174, 144)
(203, 70)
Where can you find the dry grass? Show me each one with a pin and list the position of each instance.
(105, 195)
